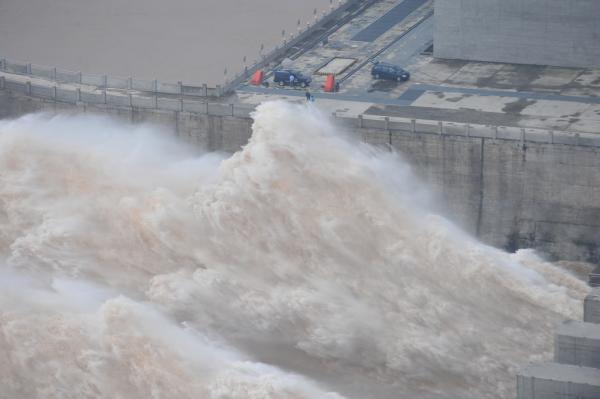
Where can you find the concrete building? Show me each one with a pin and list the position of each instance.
(541, 32)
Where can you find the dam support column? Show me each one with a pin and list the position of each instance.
(575, 372)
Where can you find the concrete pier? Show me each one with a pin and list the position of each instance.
(575, 372)
(578, 343)
(558, 381)
(591, 307)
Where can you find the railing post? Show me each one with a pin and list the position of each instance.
(54, 94)
(104, 93)
(389, 132)
(180, 84)
(156, 85)
(78, 91)
(441, 127)
(29, 69)
(207, 108)
(131, 100)
(205, 90)
(360, 121)
(413, 126)
(181, 104)
(231, 105)
(28, 84)
(130, 83)
(80, 77)
(105, 81)
(54, 73)
(495, 132)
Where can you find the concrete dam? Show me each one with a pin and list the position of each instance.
(512, 188)
(361, 238)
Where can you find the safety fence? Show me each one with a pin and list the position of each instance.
(106, 81)
(60, 75)
(375, 129)
(385, 127)
(104, 97)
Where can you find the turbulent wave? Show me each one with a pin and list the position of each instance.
(303, 266)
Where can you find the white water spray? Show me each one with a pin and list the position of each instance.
(303, 266)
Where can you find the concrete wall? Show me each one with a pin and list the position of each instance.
(514, 188)
(558, 381)
(578, 343)
(215, 131)
(510, 191)
(575, 372)
(591, 307)
(543, 32)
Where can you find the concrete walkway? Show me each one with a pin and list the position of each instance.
(410, 93)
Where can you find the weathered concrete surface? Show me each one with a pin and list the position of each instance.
(591, 307)
(578, 343)
(541, 32)
(558, 381)
(510, 195)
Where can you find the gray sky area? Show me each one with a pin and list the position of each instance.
(172, 40)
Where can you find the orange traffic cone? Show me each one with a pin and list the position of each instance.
(258, 77)
(330, 84)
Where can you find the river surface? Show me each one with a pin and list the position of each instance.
(176, 40)
(306, 265)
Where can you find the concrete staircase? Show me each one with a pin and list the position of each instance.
(575, 372)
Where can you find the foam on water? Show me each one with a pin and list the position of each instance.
(304, 266)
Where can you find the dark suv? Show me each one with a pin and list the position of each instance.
(382, 70)
(282, 77)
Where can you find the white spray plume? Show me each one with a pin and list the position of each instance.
(304, 266)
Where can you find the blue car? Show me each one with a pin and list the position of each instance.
(287, 77)
(383, 70)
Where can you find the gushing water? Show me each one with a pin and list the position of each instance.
(303, 266)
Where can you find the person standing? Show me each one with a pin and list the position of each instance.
(308, 95)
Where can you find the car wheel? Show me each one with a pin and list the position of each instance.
(376, 76)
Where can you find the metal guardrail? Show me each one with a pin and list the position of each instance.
(102, 97)
(389, 125)
(280, 50)
(106, 81)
